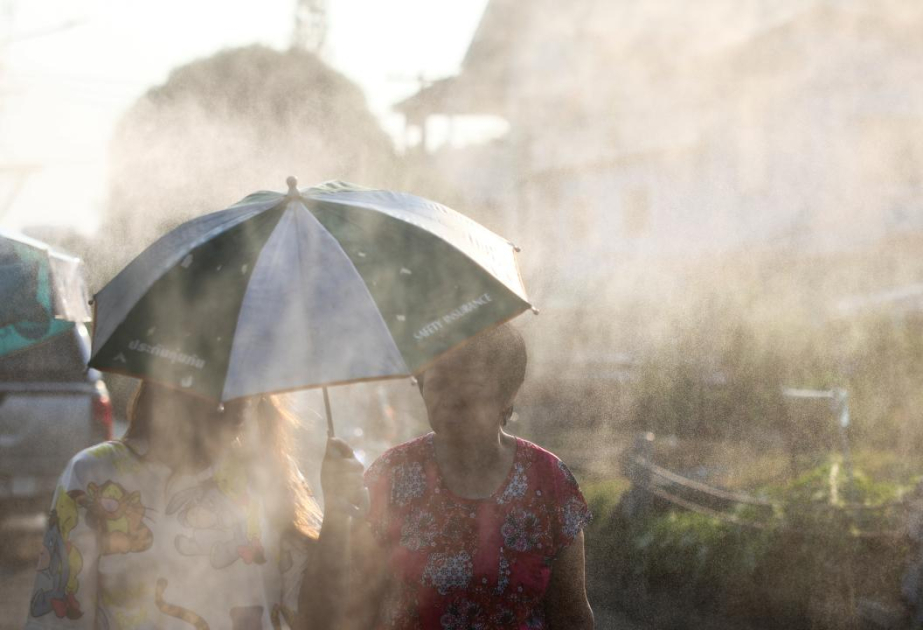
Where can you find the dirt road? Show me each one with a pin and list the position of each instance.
(20, 543)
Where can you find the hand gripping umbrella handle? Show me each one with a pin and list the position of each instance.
(330, 432)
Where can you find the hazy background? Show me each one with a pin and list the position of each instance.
(69, 71)
(717, 201)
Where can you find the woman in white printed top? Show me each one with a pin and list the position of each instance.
(197, 518)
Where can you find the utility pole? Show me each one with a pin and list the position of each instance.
(310, 30)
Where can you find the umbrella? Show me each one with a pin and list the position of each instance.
(42, 293)
(323, 286)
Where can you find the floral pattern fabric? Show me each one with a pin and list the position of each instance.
(130, 545)
(471, 564)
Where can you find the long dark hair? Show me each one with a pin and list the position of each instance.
(293, 508)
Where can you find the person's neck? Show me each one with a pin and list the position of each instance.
(474, 466)
(180, 456)
(473, 452)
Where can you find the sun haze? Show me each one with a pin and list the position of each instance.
(68, 71)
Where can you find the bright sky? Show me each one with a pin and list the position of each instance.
(69, 69)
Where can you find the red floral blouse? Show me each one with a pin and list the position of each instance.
(471, 564)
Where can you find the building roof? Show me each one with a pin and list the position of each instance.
(480, 87)
(457, 95)
(555, 47)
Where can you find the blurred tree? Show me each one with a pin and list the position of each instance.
(227, 125)
(220, 128)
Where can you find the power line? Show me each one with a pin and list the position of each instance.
(43, 32)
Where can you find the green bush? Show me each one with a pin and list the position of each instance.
(805, 568)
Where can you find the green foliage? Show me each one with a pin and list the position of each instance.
(603, 496)
(830, 482)
(803, 569)
(696, 551)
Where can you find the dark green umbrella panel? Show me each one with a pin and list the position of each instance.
(329, 285)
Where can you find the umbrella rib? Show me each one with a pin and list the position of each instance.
(328, 198)
(203, 238)
(368, 294)
(300, 219)
(170, 262)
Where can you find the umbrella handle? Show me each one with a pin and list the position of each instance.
(330, 432)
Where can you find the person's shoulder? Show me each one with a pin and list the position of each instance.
(105, 459)
(550, 465)
(537, 454)
(412, 450)
(108, 453)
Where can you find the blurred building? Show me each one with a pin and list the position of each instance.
(651, 139)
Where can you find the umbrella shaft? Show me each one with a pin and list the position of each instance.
(330, 432)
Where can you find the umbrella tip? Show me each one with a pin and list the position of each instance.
(535, 310)
(292, 183)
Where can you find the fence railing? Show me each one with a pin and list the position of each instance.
(651, 480)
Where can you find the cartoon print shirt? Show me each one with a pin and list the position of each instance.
(460, 563)
(130, 545)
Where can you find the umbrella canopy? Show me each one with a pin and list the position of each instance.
(42, 293)
(328, 285)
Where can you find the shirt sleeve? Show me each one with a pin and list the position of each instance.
(571, 511)
(64, 595)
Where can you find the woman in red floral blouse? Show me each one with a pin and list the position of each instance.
(474, 528)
